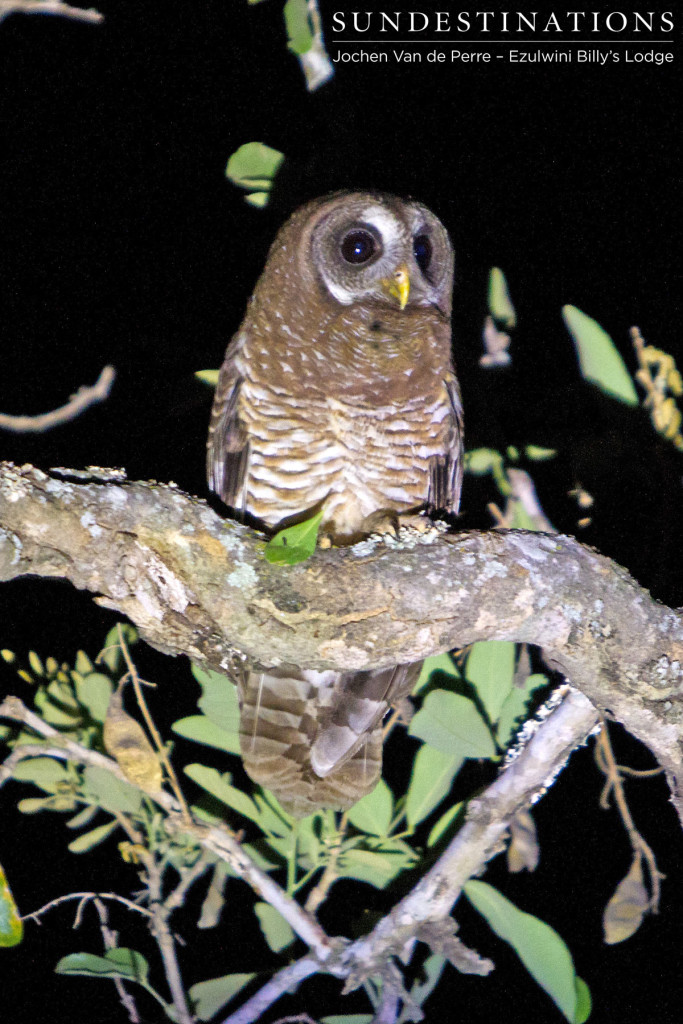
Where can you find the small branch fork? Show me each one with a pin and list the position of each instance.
(85, 396)
(606, 762)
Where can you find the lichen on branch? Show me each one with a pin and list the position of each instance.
(197, 584)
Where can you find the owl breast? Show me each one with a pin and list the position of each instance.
(355, 457)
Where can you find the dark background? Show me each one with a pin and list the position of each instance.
(121, 242)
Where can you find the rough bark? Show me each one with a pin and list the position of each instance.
(196, 584)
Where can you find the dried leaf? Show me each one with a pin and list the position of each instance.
(628, 906)
(126, 741)
(523, 851)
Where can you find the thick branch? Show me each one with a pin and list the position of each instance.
(199, 585)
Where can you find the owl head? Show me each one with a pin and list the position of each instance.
(360, 246)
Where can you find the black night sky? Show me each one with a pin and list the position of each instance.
(122, 242)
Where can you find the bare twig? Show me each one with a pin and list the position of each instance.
(165, 941)
(154, 732)
(54, 7)
(188, 876)
(607, 764)
(36, 914)
(84, 397)
(110, 937)
(318, 893)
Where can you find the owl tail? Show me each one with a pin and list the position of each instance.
(315, 738)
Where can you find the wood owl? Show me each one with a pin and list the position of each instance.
(338, 391)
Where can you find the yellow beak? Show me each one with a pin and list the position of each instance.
(398, 285)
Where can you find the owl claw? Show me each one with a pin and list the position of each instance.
(383, 521)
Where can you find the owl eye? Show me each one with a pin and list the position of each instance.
(358, 246)
(422, 251)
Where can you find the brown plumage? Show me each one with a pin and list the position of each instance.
(338, 389)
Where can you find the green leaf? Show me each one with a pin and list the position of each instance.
(515, 707)
(257, 199)
(54, 713)
(83, 817)
(36, 664)
(254, 165)
(538, 946)
(214, 901)
(94, 692)
(272, 822)
(11, 925)
(299, 35)
(376, 867)
(202, 730)
(373, 813)
(490, 668)
(45, 772)
(209, 996)
(276, 931)
(116, 963)
(421, 990)
(219, 699)
(444, 823)
(430, 781)
(208, 377)
(93, 838)
(294, 543)
(110, 793)
(437, 663)
(538, 454)
(500, 303)
(452, 724)
(584, 1003)
(219, 786)
(33, 804)
(83, 664)
(482, 460)
(599, 358)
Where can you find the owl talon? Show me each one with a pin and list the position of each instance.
(383, 521)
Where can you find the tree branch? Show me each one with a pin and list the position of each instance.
(199, 585)
(85, 396)
(56, 7)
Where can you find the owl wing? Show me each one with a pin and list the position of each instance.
(227, 455)
(446, 469)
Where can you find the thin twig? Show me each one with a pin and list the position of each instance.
(606, 761)
(36, 914)
(8, 7)
(84, 397)
(318, 893)
(110, 937)
(158, 742)
(188, 877)
(165, 941)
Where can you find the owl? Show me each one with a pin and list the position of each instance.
(338, 393)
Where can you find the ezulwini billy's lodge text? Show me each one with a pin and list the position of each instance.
(512, 56)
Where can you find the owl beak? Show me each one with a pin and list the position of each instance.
(398, 285)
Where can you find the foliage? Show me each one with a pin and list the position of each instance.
(375, 842)
(253, 167)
